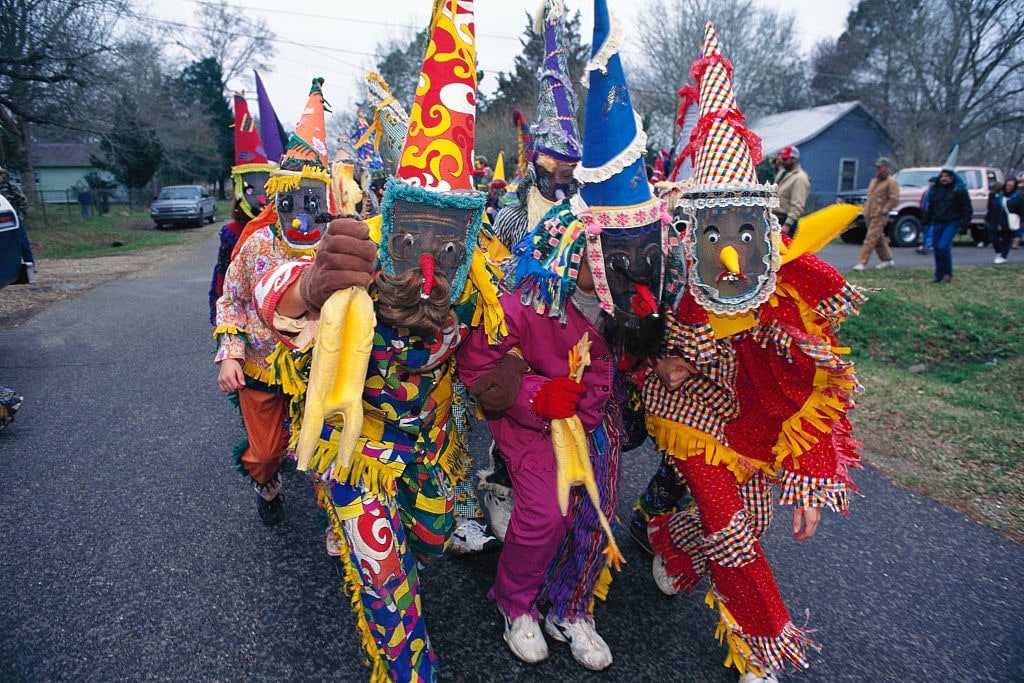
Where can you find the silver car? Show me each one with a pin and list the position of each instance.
(183, 205)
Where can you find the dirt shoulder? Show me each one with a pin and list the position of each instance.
(63, 278)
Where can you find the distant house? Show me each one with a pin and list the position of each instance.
(838, 143)
(61, 167)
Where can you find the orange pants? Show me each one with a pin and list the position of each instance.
(264, 416)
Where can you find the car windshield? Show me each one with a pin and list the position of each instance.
(179, 193)
(915, 178)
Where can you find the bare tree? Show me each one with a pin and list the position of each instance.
(769, 75)
(50, 53)
(231, 36)
(934, 73)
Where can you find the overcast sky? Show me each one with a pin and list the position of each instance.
(336, 39)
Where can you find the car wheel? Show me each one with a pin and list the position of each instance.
(906, 231)
(157, 225)
(213, 218)
(855, 232)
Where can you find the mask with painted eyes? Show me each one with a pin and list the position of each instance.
(303, 213)
(732, 256)
(633, 265)
(418, 229)
(250, 190)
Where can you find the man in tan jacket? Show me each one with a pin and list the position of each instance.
(883, 196)
(794, 186)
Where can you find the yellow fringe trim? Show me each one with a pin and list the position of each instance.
(369, 473)
(728, 630)
(604, 583)
(265, 375)
(488, 308)
(286, 181)
(286, 372)
(353, 585)
(229, 329)
(682, 442)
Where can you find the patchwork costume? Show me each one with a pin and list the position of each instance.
(390, 501)
(767, 406)
(281, 232)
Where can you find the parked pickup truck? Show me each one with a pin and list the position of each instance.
(904, 227)
(183, 205)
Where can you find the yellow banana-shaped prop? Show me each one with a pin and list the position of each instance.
(337, 374)
(572, 455)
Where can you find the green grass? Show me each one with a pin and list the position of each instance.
(943, 369)
(63, 236)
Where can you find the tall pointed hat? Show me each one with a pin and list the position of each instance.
(499, 171)
(724, 151)
(435, 168)
(613, 173)
(271, 131)
(390, 122)
(307, 146)
(556, 133)
(252, 169)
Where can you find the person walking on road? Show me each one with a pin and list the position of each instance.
(883, 196)
(794, 187)
(949, 209)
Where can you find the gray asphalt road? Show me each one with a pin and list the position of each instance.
(844, 257)
(132, 550)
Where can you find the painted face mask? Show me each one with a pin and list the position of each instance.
(557, 184)
(250, 189)
(732, 256)
(418, 230)
(303, 213)
(633, 264)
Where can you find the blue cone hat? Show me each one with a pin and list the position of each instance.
(612, 171)
(556, 133)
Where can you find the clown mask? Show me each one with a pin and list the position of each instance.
(732, 254)
(303, 213)
(250, 191)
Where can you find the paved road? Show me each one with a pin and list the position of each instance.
(844, 257)
(132, 550)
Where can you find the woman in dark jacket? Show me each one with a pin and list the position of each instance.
(997, 219)
(1014, 207)
(949, 209)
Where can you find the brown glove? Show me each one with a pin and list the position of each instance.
(345, 258)
(496, 391)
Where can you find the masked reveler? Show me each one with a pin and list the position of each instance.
(554, 151)
(752, 391)
(390, 501)
(249, 176)
(289, 227)
(593, 267)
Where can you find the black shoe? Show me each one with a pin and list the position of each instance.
(271, 511)
(638, 532)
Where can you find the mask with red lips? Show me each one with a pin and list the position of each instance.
(303, 213)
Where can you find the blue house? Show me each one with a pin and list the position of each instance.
(838, 143)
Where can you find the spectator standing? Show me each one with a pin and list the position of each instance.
(927, 236)
(949, 208)
(794, 187)
(85, 202)
(1015, 211)
(883, 196)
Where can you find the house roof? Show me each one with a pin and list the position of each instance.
(63, 154)
(800, 125)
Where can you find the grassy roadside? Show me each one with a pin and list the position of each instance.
(943, 369)
(63, 236)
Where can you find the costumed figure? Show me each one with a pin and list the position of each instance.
(374, 425)
(752, 391)
(593, 269)
(249, 176)
(289, 227)
(496, 192)
(554, 150)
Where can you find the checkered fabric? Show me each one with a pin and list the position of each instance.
(814, 492)
(758, 504)
(733, 546)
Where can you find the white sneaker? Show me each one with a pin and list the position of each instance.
(588, 648)
(766, 677)
(882, 265)
(661, 577)
(471, 537)
(860, 266)
(999, 259)
(525, 639)
(497, 501)
(980, 245)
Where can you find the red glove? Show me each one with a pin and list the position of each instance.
(558, 398)
(345, 258)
